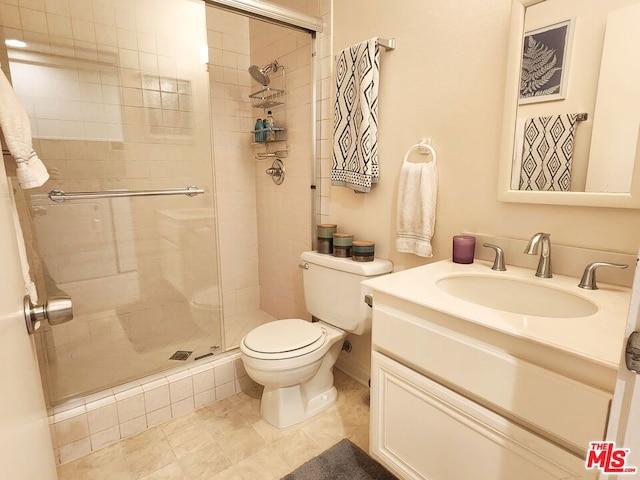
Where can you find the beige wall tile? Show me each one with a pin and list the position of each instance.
(133, 426)
(182, 407)
(159, 416)
(203, 380)
(103, 418)
(204, 398)
(224, 373)
(157, 398)
(71, 430)
(225, 390)
(131, 407)
(105, 437)
(72, 451)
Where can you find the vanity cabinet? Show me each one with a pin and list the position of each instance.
(449, 403)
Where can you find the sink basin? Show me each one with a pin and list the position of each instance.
(517, 296)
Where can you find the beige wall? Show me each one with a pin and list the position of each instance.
(445, 81)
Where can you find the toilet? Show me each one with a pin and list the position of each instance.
(294, 358)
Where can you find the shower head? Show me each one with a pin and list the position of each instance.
(260, 75)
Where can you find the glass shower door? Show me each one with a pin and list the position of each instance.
(117, 92)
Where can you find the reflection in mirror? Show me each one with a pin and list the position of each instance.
(572, 105)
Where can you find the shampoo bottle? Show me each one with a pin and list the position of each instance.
(258, 131)
(271, 133)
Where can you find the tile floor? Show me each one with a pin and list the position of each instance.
(228, 440)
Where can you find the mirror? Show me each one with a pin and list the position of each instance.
(577, 62)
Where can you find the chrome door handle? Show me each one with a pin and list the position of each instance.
(57, 310)
(632, 352)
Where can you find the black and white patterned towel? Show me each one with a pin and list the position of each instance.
(355, 128)
(548, 153)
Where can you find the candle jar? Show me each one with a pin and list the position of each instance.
(464, 247)
(342, 244)
(325, 237)
(363, 251)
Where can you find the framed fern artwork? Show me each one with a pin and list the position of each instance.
(545, 63)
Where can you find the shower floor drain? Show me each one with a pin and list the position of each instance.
(180, 355)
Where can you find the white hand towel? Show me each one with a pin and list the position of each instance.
(16, 128)
(416, 215)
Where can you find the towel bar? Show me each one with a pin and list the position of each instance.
(387, 43)
(60, 196)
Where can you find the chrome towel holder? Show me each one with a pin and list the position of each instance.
(60, 196)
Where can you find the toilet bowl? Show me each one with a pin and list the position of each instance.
(294, 358)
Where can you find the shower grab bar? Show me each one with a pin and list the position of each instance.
(60, 196)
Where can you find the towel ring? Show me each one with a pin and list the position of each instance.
(424, 148)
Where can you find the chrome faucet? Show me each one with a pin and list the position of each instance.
(544, 265)
(588, 281)
(498, 261)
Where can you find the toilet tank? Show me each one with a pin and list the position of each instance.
(332, 289)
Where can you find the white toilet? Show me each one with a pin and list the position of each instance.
(294, 358)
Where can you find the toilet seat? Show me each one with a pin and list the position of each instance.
(284, 339)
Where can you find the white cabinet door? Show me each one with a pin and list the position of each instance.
(422, 430)
(624, 420)
(25, 443)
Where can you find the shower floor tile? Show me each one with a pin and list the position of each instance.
(229, 440)
(114, 355)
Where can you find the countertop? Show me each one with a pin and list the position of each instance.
(597, 338)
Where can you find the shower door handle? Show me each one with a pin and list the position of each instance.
(57, 310)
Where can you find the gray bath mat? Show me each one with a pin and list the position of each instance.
(343, 461)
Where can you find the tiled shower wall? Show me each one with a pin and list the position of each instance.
(263, 227)
(138, 64)
(284, 211)
(229, 60)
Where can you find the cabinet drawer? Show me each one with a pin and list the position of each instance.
(559, 408)
(422, 430)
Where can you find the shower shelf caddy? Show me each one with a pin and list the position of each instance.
(267, 99)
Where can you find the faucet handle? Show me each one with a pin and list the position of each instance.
(498, 261)
(588, 281)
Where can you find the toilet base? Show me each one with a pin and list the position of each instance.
(286, 406)
(296, 390)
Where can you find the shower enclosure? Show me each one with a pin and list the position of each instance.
(138, 95)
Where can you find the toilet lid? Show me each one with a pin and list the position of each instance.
(285, 336)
